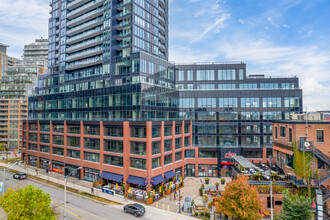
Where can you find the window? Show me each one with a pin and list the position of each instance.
(205, 75)
(138, 148)
(92, 129)
(45, 127)
(205, 86)
(73, 153)
(138, 163)
(155, 132)
(74, 129)
(250, 102)
(167, 145)
(180, 75)
(167, 159)
(207, 154)
(73, 141)
(178, 156)
(155, 162)
(58, 140)
(320, 136)
(226, 74)
(189, 154)
(206, 129)
(282, 131)
(113, 131)
(268, 85)
(33, 127)
(187, 141)
(138, 132)
(33, 147)
(248, 86)
(177, 129)
(290, 134)
(44, 148)
(113, 146)
(275, 132)
(113, 160)
(177, 143)
(44, 138)
(291, 102)
(272, 115)
(91, 174)
(186, 102)
(167, 130)
(155, 148)
(206, 103)
(93, 157)
(268, 202)
(58, 128)
(228, 103)
(58, 151)
(226, 86)
(91, 143)
(287, 85)
(241, 74)
(250, 115)
(206, 116)
(33, 137)
(190, 75)
(272, 102)
(207, 141)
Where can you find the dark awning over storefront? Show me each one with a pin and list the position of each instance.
(112, 176)
(137, 180)
(157, 179)
(169, 174)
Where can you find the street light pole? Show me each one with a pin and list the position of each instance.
(65, 182)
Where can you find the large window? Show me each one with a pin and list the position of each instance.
(167, 159)
(113, 131)
(138, 148)
(205, 86)
(186, 102)
(44, 148)
(91, 143)
(207, 129)
(92, 129)
(282, 131)
(73, 141)
(33, 127)
(187, 141)
(226, 86)
(168, 145)
(226, 74)
(156, 162)
(189, 153)
(207, 154)
(113, 160)
(93, 157)
(250, 115)
(268, 85)
(228, 115)
(207, 141)
(33, 147)
(155, 132)
(271, 102)
(248, 85)
(206, 103)
(138, 132)
(272, 115)
(33, 137)
(178, 156)
(206, 115)
(58, 151)
(58, 140)
(190, 75)
(74, 129)
(167, 130)
(205, 75)
(155, 148)
(180, 75)
(138, 163)
(44, 127)
(113, 146)
(228, 141)
(228, 103)
(320, 136)
(291, 102)
(250, 102)
(44, 138)
(230, 129)
(58, 128)
(177, 143)
(73, 153)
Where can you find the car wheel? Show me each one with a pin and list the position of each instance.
(125, 210)
(135, 214)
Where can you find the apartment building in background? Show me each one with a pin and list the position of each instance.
(16, 85)
(108, 62)
(5, 60)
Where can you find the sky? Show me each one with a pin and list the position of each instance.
(276, 38)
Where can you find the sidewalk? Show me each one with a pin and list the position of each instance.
(85, 186)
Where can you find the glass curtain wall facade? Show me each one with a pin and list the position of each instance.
(234, 112)
(107, 61)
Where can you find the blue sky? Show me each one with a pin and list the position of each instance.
(286, 37)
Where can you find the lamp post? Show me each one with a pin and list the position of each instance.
(65, 181)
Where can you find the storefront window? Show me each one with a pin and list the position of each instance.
(189, 170)
(208, 170)
(91, 175)
(43, 163)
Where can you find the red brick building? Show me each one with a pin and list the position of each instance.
(121, 151)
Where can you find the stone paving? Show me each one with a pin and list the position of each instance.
(191, 188)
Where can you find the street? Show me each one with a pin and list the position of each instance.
(78, 207)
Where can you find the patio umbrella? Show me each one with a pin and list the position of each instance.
(209, 191)
(217, 190)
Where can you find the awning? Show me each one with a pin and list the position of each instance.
(169, 174)
(244, 162)
(112, 176)
(137, 180)
(157, 179)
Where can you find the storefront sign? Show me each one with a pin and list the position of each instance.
(229, 155)
(58, 170)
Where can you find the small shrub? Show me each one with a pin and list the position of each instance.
(196, 214)
(203, 186)
(202, 213)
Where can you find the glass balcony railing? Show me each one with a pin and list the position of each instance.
(86, 33)
(84, 25)
(86, 52)
(84, 16)
(83, 7)
(83, 62)
(97, 39)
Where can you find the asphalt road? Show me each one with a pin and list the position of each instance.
(78, 207)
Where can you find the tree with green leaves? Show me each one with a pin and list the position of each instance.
(295, 207)
(239, 200)
(2, 147)
(27, 203)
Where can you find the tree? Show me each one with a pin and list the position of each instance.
(27, 203)
(240, 200)
(295, 207)
(2, 147)
(302, 162)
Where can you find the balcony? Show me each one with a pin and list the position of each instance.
(83, 9)
(84, 45)
(75, 4)
(162, 3)
(120, 36)
(84, 54)
(162, 12)
(162, 29)
(122, 15)
(162, 38)
(120, 6)
(85, 26)
(85, 35)
(85, 17)
(119, 27)
(84, 63)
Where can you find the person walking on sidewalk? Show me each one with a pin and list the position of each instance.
(92, 190)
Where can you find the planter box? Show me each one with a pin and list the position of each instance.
(207, 181)
(176, 187)
(168, 191)
(150, 200)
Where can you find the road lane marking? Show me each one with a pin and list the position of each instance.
(60, 206)
(82, 211)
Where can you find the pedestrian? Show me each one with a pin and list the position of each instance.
(92, 190)
(125, 197)
(175, 194)
(171, 196)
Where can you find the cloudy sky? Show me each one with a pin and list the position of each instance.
(288, 37)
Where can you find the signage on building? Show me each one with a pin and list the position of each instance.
(230, 155)
(58, 170)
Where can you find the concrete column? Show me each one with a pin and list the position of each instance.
(126, 150)
(149, 153)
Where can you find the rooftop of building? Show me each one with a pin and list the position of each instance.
(301, 121)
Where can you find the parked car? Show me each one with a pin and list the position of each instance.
(20, 176)
(135, 209)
